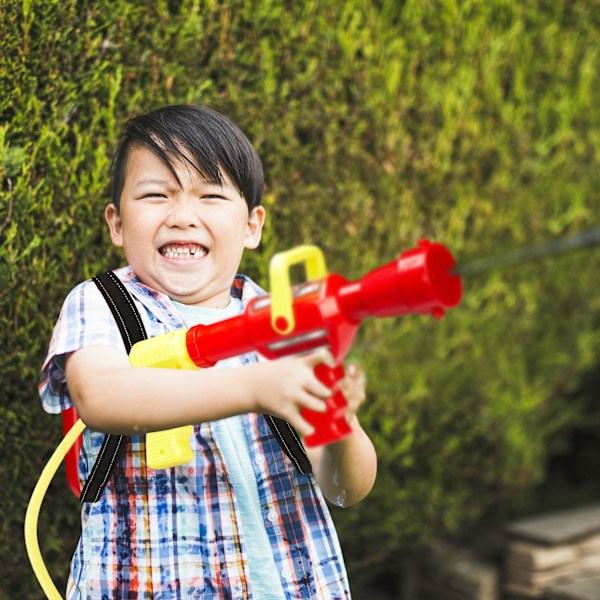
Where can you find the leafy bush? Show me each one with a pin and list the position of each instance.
(379, 123)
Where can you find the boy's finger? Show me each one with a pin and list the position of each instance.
(319, 389)
(322, 355)
(314, 403)
(355, 373)
(303, 427)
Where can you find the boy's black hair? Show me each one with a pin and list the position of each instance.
(204, 138)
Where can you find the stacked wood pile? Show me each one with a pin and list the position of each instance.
(557, 548)
(450, 573)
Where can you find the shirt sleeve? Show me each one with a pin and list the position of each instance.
(85, 320)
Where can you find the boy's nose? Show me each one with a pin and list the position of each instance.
(182, 214)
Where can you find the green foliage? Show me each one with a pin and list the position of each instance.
(379, 122)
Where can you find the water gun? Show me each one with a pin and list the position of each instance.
(325, 311)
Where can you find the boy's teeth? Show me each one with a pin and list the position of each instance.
(183, 251)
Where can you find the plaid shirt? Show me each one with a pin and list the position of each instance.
(173, 533)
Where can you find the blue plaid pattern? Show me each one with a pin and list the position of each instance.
(173, 534)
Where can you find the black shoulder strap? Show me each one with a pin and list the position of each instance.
(132, 330)
(290, 443)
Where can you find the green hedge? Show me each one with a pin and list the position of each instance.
(379, 122)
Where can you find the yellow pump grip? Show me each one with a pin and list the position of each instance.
(167, 351)
(282, 313)
(169, 448)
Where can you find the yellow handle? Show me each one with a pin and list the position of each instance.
(282, 313)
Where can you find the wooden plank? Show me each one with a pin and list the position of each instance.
(539, 580)
(589, 546)
(525, 555)
(517, 590)
(558, 527)
(581, 589)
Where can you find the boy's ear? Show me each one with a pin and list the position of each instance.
(256, 220)
(113, 218)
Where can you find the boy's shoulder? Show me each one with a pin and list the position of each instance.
(245, 289)
(125, 274)
(87, 300)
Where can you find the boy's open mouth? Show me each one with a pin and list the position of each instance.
(183, 251)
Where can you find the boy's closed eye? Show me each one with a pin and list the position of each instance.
(214, 191)
(154, 195)
(211, 196)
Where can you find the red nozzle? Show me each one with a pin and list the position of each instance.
(419, 281)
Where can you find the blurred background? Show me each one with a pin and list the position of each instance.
(379, 122)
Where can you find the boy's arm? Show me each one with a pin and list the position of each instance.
(346, 470)
(113, 397)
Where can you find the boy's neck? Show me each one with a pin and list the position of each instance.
(194, 315)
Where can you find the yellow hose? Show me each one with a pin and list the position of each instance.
(33, 511)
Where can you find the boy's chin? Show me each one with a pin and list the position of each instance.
(181, 291)
(172, 285)
(185, 293)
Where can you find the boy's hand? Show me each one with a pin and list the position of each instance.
(286, 386)
(346, 470)
(353, 387)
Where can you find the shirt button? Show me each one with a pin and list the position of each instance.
(286, 573)
(260, 460)
(272, 516)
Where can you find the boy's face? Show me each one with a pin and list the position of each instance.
(184, 240)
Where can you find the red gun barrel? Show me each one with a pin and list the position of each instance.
(419, 281)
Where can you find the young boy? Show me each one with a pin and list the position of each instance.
(240, 520)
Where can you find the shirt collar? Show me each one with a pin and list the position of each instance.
(159, 303)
